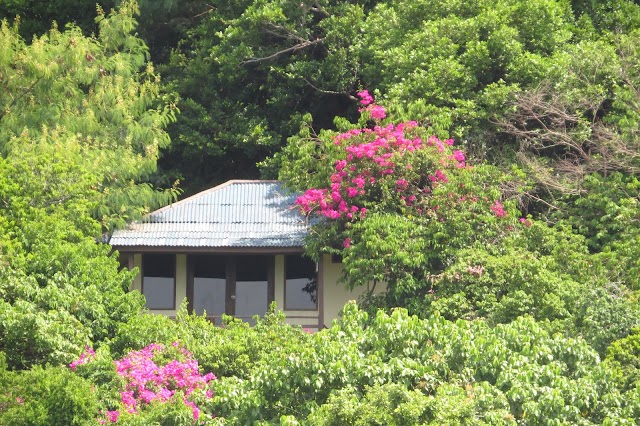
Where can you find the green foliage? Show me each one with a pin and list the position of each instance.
(58, 286)
(80, 127)
(397, 369)
(246, 75)
(606, 212)
(543, 272)
(617, 16)
(393, 404)
(515, 316)
(85, 97)
(623, 356)
(173, 413)
(54, 395)
(36, 18)
(417, 204)
(227, 351)
(446, 59)
(456, 250)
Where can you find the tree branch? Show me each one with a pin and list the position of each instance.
(317, 9)
(22, 95)
(330, 92)
(291, 49)
(209, 10)
(572, 137)
(284, 32)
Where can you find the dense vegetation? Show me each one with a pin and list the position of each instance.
(510, 250)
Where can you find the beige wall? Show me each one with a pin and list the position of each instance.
(337, 295)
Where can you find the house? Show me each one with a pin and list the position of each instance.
(233, 249)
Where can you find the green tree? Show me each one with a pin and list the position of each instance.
(37, 17)
(248, 72)
(395, 202)
(398, 369)
(45, 397)
(81, 122)
(262, 65)
(96, 100)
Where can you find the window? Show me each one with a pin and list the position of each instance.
(240, 285)
(159, 280)
(300, 289)
(209, 285)
(251, 286)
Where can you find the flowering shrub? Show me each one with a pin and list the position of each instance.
(399, 202)
(156, 373)
(389, 166)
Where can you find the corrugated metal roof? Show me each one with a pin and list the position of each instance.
(234, 214)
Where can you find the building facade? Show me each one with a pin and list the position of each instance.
(233, 249)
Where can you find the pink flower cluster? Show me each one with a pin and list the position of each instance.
(391, 167)
(377, 112)
(365, 98)
(498, 209)
(146, 381)
(373, 157)
(85, 357)
(526, 222)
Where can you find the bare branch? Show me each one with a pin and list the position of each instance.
(318, 10)
(291, 49)
(209, 10)
(329, 92)
(562, 140)
(283, 32)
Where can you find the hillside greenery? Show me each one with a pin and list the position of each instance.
(479, 157)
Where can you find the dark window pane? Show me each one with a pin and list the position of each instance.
(209, 285)
(252, 286)
(252, 268)
(158, 281)
(300, 284)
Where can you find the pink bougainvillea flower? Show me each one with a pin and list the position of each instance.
(498, 209)
(194, 409)
(112, 416)
(379, 157)
(365, 98)
(145, 381)
(458, 155)
(526, 222)
(85, 357)
(377, 112)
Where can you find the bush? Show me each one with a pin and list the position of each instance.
(46, 396)
(623, 356)
(399, 368)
